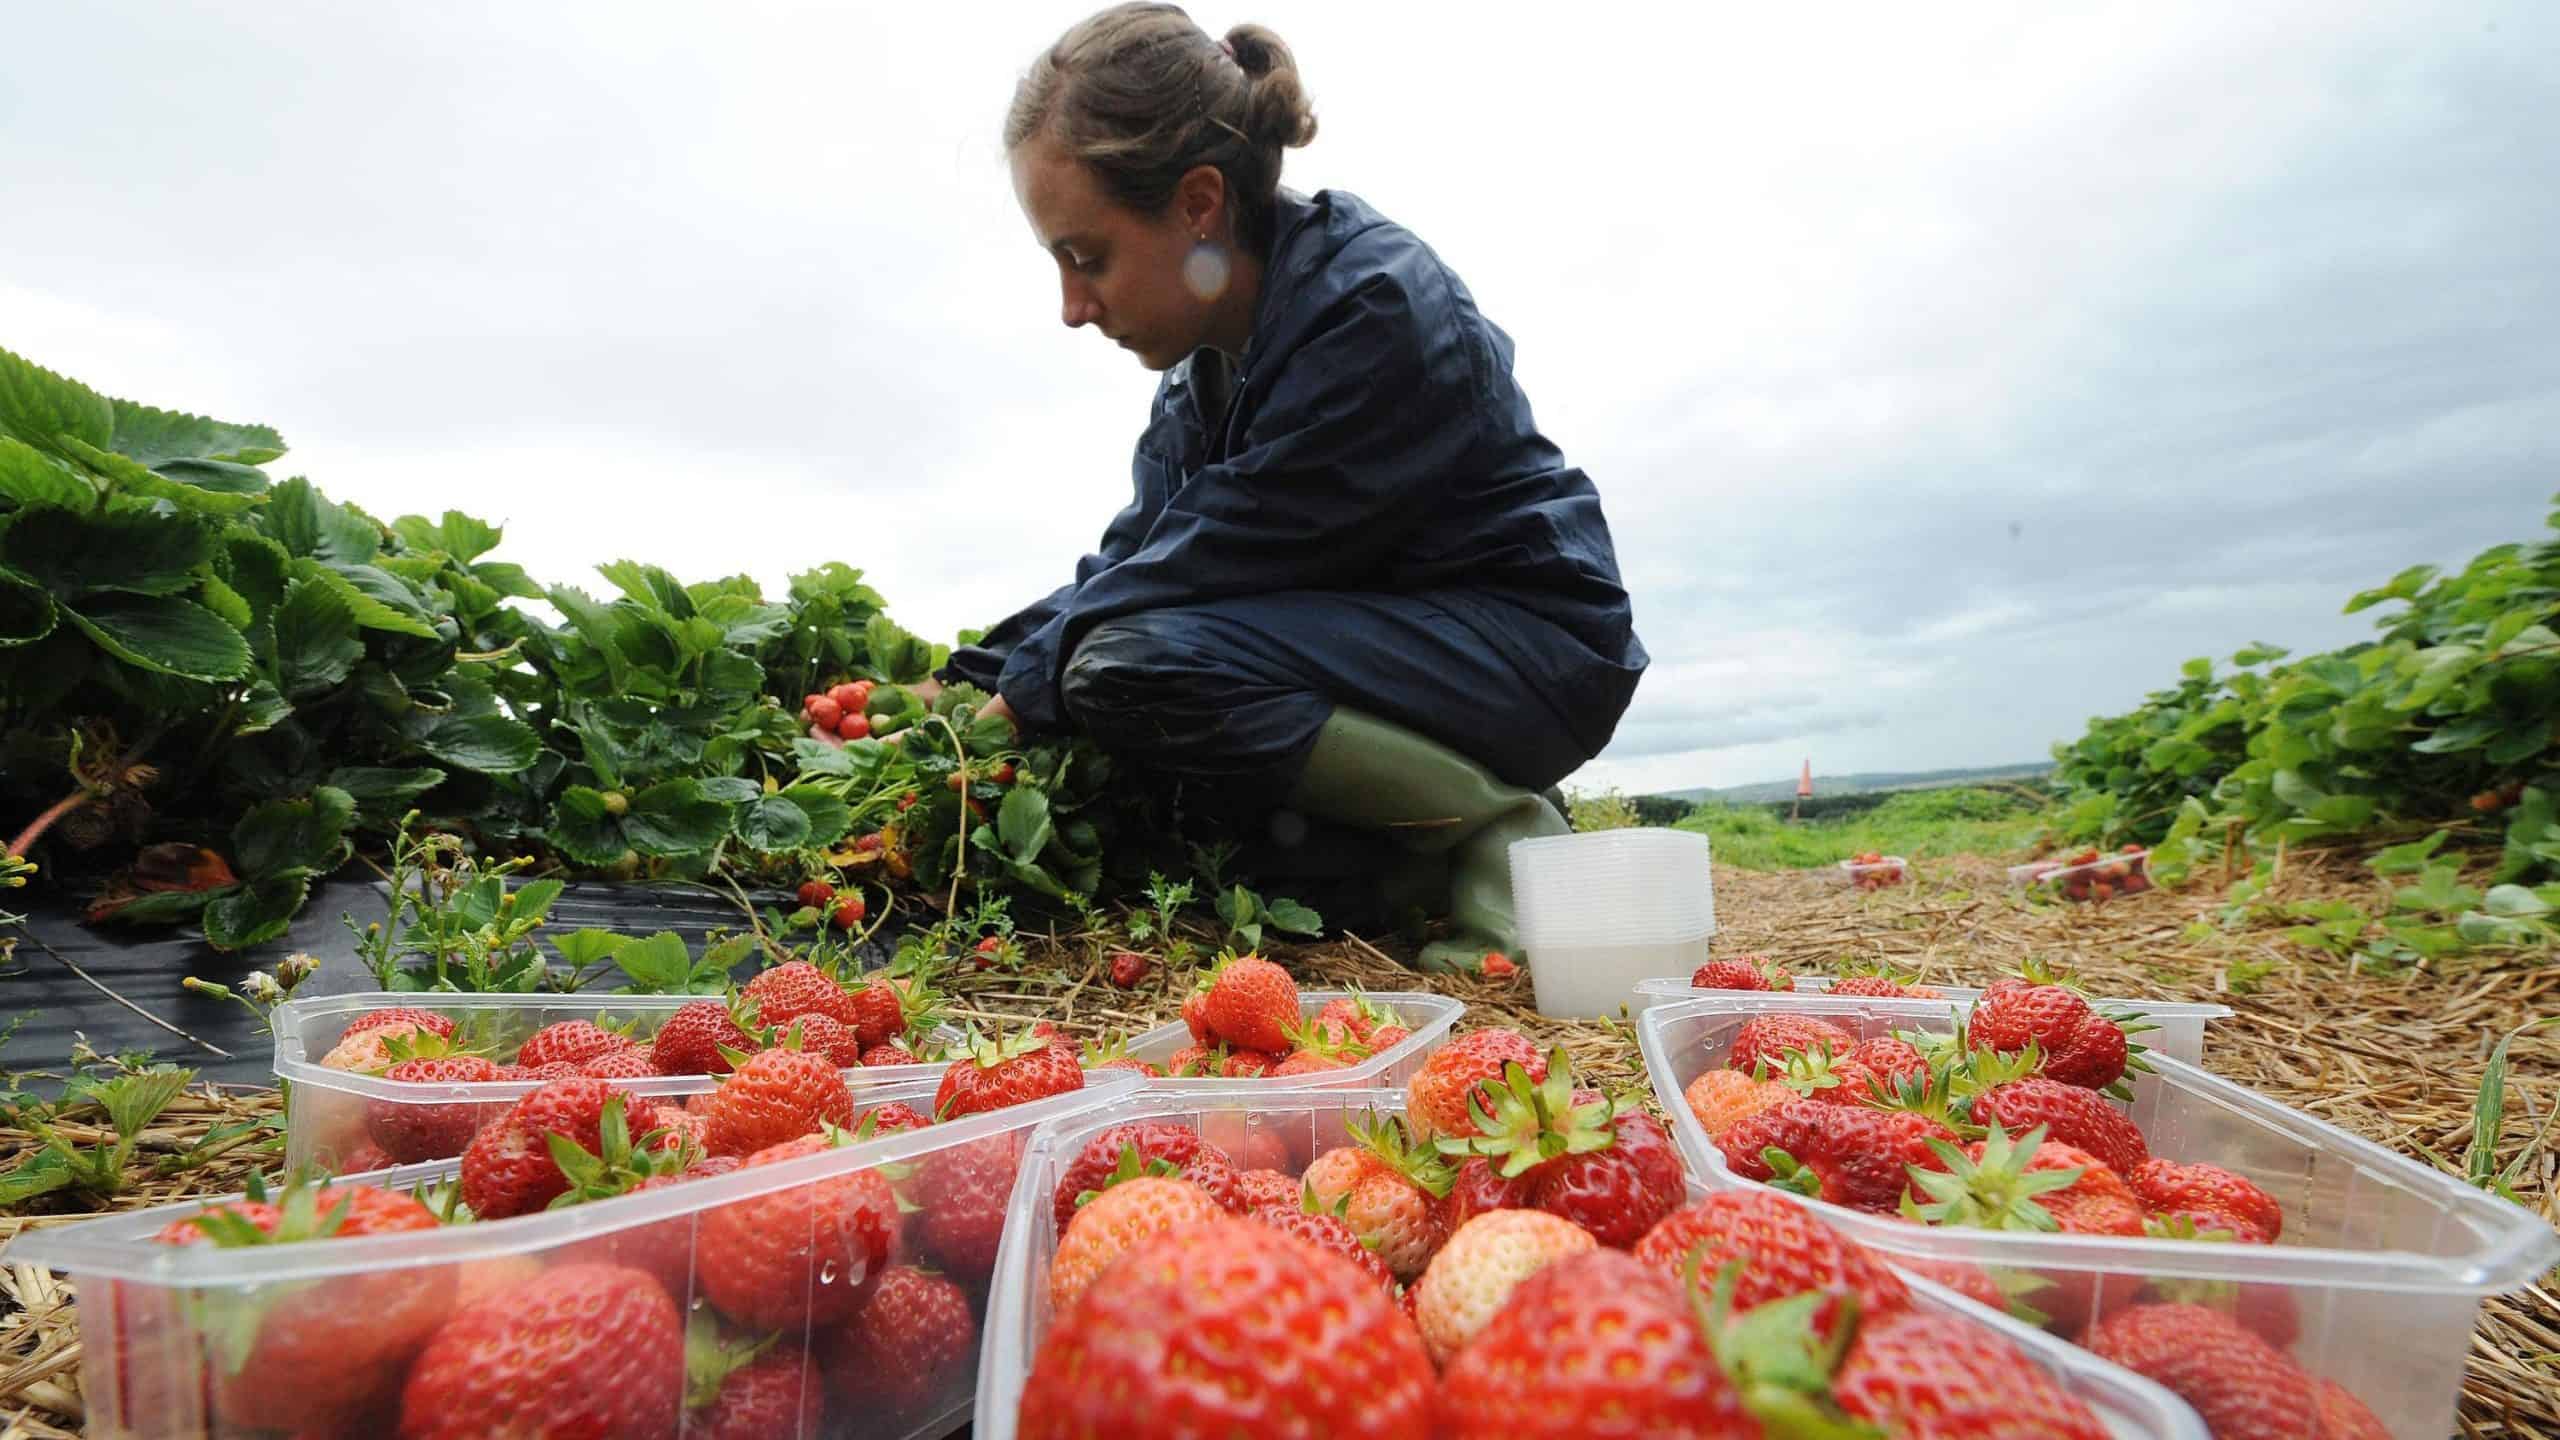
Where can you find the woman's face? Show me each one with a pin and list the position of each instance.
(1119, 271)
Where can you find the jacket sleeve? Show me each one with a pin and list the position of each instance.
(1368, 418)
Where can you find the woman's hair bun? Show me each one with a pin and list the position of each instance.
(1277, 110)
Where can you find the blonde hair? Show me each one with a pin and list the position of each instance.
(1141, 94)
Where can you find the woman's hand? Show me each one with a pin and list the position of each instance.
(926, 690)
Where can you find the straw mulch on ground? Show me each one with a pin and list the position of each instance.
(2397, 1059)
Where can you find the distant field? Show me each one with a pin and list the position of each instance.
(1955, 820)
(1858, 783)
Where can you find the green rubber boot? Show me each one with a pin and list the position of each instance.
(1368, 772)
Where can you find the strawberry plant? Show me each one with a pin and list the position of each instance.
(2444, 720)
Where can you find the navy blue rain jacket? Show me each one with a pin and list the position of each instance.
(1374, 440)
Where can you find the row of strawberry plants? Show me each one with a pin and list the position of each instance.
(215, 686)
(2445, 720)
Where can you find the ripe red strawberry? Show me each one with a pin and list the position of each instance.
(823, 711)
(2070, 1115)
(910, 1352)
(508, 1168)
(1498, 966)
(1128, 967)
(1925, 1373)
(960, 1194)
(2242, 1387)
(826, 1035)
(848, 912)
(877, 1014)
(998, 1071)
(1766, 1039)
(1891, 1058)
(2201, 1190)
(663, 1248)
(344, 1339)
(1177, 1145)
(1253, 1004)
(1436, 1097)
(692, 1039)
(571, 1042)
(1350, 1015)
(429, 1130)
(889, 1053)
(1883, 987)
(1608, 1169)
(1114, 1221)
(537, 1074)
(1846, 1154)
(1785, 1251)
(1389, 1191)
(1477, 1188)
(777, 1095)
(1387, 1037)
(1327, 1230)
(1195, 1016)
(1749, 971)
(1285, 1339)
(888, 1119)
(777, 1393)
(2080, 1046)
(1195, 1061)
(793, 989)
(1591, 1335)
(798, 1257)
(576, 1350)
(406, 1018)
(1257, 1188)
(816, 893)
(631, 1062)
(1248, 1064)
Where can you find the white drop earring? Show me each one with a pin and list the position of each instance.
(1204, 270)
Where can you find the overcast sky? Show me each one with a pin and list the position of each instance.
(1949, 373)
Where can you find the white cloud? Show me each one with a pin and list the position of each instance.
(1949, 373)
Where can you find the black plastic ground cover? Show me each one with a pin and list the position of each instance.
(123, 988)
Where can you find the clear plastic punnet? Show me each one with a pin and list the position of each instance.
(1881, 874)
(331, 1115)
(2375, 1283)
(1301, 1124)
(2106, 877)
(2180, 1023)
(832, 1261)
(1429, 1016)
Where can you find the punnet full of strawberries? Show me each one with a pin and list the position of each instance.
(2091, 875)
(1247, 1022)
(1874, 870)
(882, 1021)
(1513, 1255)
(856, 1294)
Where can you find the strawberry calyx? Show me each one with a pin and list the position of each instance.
(712, 1355)
(997, 1049)
(1806, 1070)
(1132, 1166)
(1997, 1192)
(1788, 1173)
(1105, 1051)
(1421, 1166)
(621, 1167)
(1930, 1094)
(1523, 1123)
(1779, 1363)
(298, 1218)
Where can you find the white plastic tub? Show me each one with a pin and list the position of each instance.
(154, 1318)
(2181, 1023)
(2383, 1261)
(1306, 1123)
(325, 1111)
(1429, 1016)
(1600, 911)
